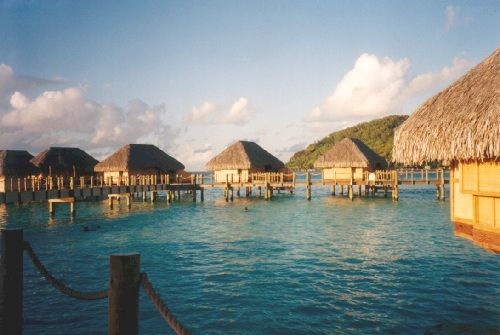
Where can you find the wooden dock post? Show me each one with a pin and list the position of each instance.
(202, 194)
(123, 294)
(11, 281)
(350, 187)
(332, 189)
(441, 186)
(308, 186)
(395, 187)
(153, 196)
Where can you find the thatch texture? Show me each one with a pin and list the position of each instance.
(460, 123)
(16, 163)
(139, 158)
(350, 152)
(244, 155)
(65, 161)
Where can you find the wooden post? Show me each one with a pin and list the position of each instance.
(395, 192)
(202, 194)
(350, 192)
(124, 283)
(332, 189)
(308, 186)
(442, 185)
(11, 281)
(153, 196)
(51, 208)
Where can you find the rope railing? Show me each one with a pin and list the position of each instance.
(162, 308)
(143, 282)
(56, 283)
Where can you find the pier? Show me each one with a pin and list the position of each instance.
(263, 184)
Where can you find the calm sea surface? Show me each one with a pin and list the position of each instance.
(287, 266)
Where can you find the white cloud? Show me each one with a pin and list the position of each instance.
(10, 82)
(452, 18)
(195, 158)
(239, 113)
(68, 117)
(210, 113)
(451, 15)
(380, 86)
(202, 113)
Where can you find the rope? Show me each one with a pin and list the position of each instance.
(176, 326)
(58, 284)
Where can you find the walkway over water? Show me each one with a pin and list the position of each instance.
(19, 190)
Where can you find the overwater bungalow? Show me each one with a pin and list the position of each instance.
(15, 164)
(461, 125)
(240, 159)
(138, 159)
(349, 158)
(64, 161)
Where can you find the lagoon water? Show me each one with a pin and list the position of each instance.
(287, 266)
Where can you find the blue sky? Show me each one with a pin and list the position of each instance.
(194, 76)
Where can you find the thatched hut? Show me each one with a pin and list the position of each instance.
(138, 159)
(15, 164)
(461, 125)
(348, 158)
(241, 159)
(64, 161)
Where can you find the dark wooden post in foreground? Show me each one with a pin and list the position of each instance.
(124, 281)
(11, 281)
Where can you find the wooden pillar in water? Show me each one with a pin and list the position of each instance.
(11, 281)
(308, 186)
(332, 189)
(202, 194)
(123, 294)
(359, 190)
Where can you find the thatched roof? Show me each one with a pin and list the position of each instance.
(244, 155)
(138, 158)
(16, 163)
(350, 152)
(66, 161)
(460, 123)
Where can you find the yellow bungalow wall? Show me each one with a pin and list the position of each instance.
(475, 197)
(237, 176)
(343, 173)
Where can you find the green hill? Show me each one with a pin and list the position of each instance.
(377, 134)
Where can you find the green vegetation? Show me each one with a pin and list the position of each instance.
(377, 134)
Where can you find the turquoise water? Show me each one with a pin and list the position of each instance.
(287, 266)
